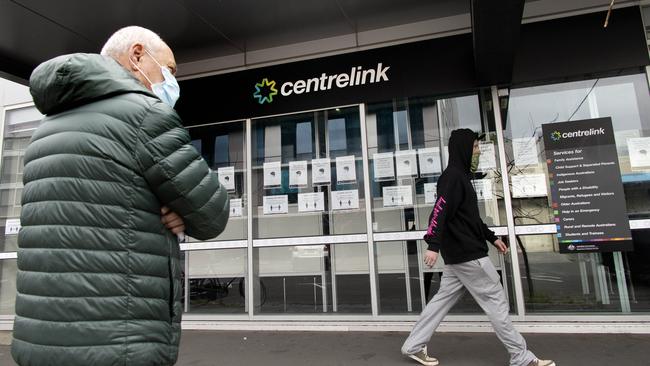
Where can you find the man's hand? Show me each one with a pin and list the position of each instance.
(430, 258)
(501, 246)
(172, 221)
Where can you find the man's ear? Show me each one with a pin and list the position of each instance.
(136, 51)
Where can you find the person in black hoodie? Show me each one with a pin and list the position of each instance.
(456, 231)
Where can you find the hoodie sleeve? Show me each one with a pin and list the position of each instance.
(488, 234)
(449, 199)
(178, 175)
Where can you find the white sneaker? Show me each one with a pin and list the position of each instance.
(423, 358)
(539, 362)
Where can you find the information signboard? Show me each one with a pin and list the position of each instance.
(587, 192)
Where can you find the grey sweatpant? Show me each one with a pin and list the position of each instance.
(481, 279)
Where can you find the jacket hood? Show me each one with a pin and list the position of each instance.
(461, 146)
(68, 81)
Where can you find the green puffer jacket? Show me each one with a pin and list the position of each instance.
(98, 273)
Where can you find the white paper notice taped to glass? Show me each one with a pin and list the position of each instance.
(272, 174)
(384, 167)
(525, 151)
(398, 196)
(346, 169)
(406, 162)
(298, 174)
(483, 188)
(621, 137)
(430, 193)
(307, 251)
(345, 200)
(227, 177)
(276, 205)
(311, 202)
(236, 207)
(12, 226)
(321, 171)
(487, 160)
(429, 161)
(529, 185)
(639, 149)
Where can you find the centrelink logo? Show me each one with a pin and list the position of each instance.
(266, 90)
(557, 135)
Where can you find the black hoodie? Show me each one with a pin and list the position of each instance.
(455, 225)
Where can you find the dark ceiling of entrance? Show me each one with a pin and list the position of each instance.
(32, 31)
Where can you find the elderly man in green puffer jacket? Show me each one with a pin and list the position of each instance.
(110, 177)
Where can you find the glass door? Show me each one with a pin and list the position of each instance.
(217, 269)
(407, 148)
(581, 282)
(309, 218)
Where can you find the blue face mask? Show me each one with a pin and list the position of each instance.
(167, 90)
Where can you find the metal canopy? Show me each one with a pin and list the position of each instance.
(32, 31)
(241, 32)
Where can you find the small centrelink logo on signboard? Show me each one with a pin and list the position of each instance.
(557, 135)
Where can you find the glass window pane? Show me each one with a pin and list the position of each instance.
(303, 139)
(412, 127)
(198, 145)
(414, 133)
(402, 128)
(637, 269)
(315, 279)
(221, 150)
(337, 134)
(272, 141)
(217, 281)
(223, 146)
(554, 282)
(343, 133)
(303, 193)
(8, 269)
(19, 125)
(624, 98)
(406, 285)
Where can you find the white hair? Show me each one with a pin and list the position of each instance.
(120, 42)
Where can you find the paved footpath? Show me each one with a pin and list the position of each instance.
(382, 348)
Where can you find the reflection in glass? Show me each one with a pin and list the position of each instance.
(416, 130)
(19, 125)
(611, 282)
(406, 284)
(637, 269)
(624, 98)
(317, 279)
(555, 282)
(217, 281)
(8, 268)
(304, 144)
(412, 127)
(221, 151)
(223, 146)
(307, 138)
(337, 134)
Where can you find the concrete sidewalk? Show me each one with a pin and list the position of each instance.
(382, 348)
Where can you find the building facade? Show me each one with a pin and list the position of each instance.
(331, 164)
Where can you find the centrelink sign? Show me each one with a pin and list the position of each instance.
(566, 134)
(267, 89)
(557, 135)
(369, 76)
